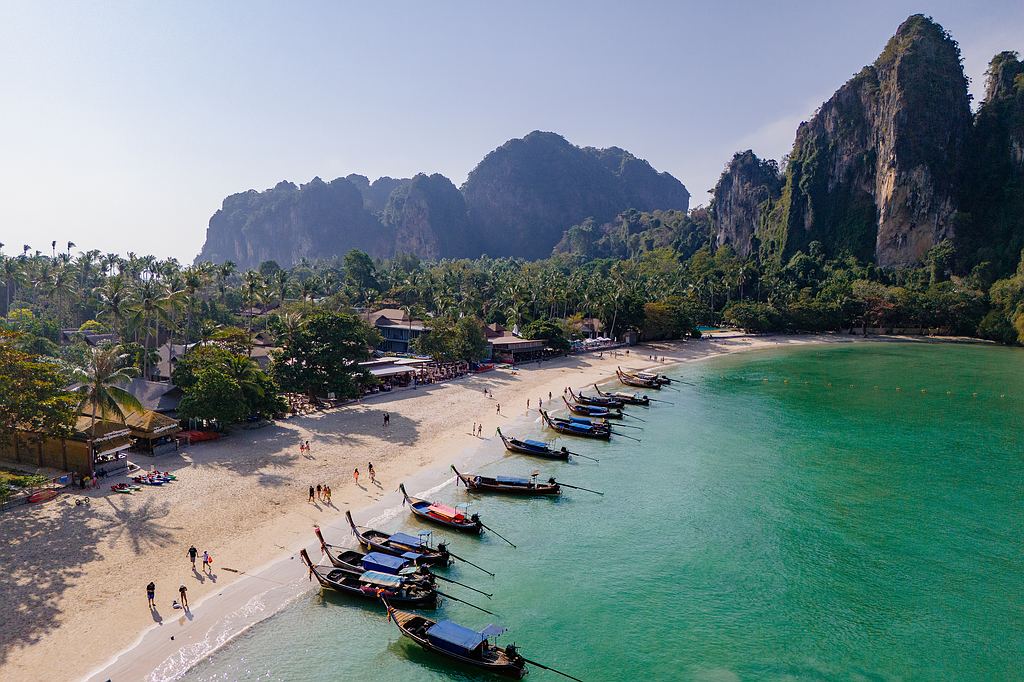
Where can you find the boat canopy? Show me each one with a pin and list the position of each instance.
(405, 539)
(382, 579)
(412, 556)
(385, 563)
(514, 480)
(452, 634)
(536, 443)
(493, 630)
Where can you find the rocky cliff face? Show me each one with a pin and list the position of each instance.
(526, 193)
(288, 223)
(517, 202)
(742, 198)
(428, 217)
(992, 199)
(875, 171)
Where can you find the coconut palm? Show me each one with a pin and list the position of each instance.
(98, 385)
(13, 274)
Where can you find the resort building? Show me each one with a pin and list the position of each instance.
(94, 446)
(509, 347)
(396, 327)
(157, 396)
(152, 432)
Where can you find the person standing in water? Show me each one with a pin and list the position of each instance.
(184, 597)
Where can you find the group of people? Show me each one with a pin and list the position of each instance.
(322, 493)
(477, 430)
(193, 556)
(369, 470)
(304, 446)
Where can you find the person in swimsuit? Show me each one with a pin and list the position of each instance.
(184, 597)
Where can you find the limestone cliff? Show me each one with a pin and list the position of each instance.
(875, 171)
(742, 198)
(428, 217)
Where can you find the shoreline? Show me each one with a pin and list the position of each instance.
(266, 579)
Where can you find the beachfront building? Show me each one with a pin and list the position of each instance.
(509, 347)
(157, 396)
(394, 372)
(396, 327)
(152, 433)
(94, 446)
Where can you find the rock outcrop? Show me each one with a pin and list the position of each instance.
(527, 192)
(517, 202)
(741, 200)
(875, 172)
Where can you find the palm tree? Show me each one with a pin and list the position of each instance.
(281, 282)
(224, 272)
(13, 273)
(150, 307)
(98, 386)
(71, 245)
(115, 300)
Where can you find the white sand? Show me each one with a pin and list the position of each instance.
(73, 593)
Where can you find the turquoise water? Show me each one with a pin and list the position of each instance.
(792, 516)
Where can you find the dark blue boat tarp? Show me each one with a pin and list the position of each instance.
(536, 444)
(512, 479)
(405, 539)
(385, 563)
(454, 637)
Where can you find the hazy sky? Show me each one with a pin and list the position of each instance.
(124, 125)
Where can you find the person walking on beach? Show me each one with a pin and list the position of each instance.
(549, 395)
(151, 594)
(527, 403)
(480, 430)
(327, 494)
(355, 475)
(373, 474)
(540, 403)
(319, 492)
(184, 597)
(207, 560)
(498, 411)
(311, 491)
(387, 419)
(192, 554)
(307, 447)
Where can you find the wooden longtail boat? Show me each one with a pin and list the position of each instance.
(460, 643)
(634, 380)
(510, 485)
(442, 514)
(580, 428)
(592, 410)
(627, 398)
(611, 402)
(401, 544)
(534, 448)
(660, 378)
(373, 584)
(354, 560)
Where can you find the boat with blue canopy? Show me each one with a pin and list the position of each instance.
(592, 410)
(511, 485)
(401, 544)
(373, 584)
(461, 643)
(576, 426)
(534, 448)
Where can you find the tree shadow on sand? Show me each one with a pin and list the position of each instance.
(43, 552)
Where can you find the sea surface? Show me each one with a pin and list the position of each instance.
(846, 512)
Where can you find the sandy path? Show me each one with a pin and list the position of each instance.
(73, 594)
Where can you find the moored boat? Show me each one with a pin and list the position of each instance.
(592, 410)
(460, 643)
(636, 381)
(533, 448)
(442, 514)
(373, 584)
(578, 427)
(511, 485)
(627, 398)
(611, 402)
(354, 560)
(401, 544)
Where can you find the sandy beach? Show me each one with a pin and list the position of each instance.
(73, 604)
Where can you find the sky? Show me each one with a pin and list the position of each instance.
(123, 125)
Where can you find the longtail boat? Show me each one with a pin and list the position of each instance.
(592, 410)
(611, 402)
(510, 485)
(627, 398)
(660, 378)
(354, 560)
(401, 544)
(460, 643)
(373, 584)
(577, 427)
(634, 380)
(442, 514)
(534, 448)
